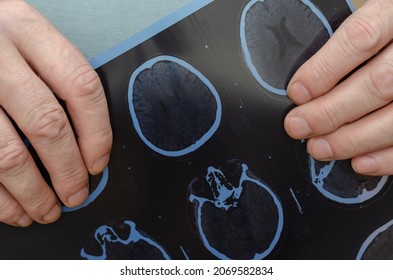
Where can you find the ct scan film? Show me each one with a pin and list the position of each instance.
(201, 166)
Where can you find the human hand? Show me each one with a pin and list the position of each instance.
(352, 119)
(34, 60)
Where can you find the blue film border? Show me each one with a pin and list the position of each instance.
(149, 32)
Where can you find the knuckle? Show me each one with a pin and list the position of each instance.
(330, 114)
(354, 146)
(13, 157)
(380, 82)
(48, 123)
(85, 82)
(104, 137)
(324, 72)
(362, 36)
(74, 177)
(38, 204)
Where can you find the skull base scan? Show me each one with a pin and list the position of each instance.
(122, 241)
(337, 181)
(236, 221)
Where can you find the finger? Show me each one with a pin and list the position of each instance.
(378, 163)
(359, 38)
(71, 77)
(11, 212)
(369, 89)
(45, 124)
(371, 133)
(24, 183)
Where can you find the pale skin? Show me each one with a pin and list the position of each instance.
(38, 65)
(352, 119)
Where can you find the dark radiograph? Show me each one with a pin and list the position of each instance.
(174, 108)
(337, 181)
(237, 215)
(278, 36)
(379, 245)
(122, 241)
(203, 86)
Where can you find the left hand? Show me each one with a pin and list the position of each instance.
(352, 119)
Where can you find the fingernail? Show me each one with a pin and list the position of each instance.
(366, 165)
(320, 149)
(298, 93)
(52, 215)
(78, 198)
(25, 221)
(298, 127)
(99, 165)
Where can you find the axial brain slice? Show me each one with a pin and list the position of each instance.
(337, 181)
(278, 36)
(236, 221)
(122, 240)
(174, 108)
(379, 245)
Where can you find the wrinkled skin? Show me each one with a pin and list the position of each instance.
(38, 67)
(351, 119)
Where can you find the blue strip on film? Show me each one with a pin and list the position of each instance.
(149, 32)
(350, 5)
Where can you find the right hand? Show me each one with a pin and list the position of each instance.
(345, 93)
(34, 60)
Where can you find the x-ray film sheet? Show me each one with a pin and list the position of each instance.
(201, 166)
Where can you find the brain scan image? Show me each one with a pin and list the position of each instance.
(174, 108)
(337, 181)
(278, 36)
(379, 245)
(237, 215)
(97, 185)
(122, 240)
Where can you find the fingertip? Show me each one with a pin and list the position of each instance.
(297, 127)
(298, 93)
(365, 165)
(96, 148)
(78, 198)
(52, 215)
(24, 221)
(320, 149)
(99, 165)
